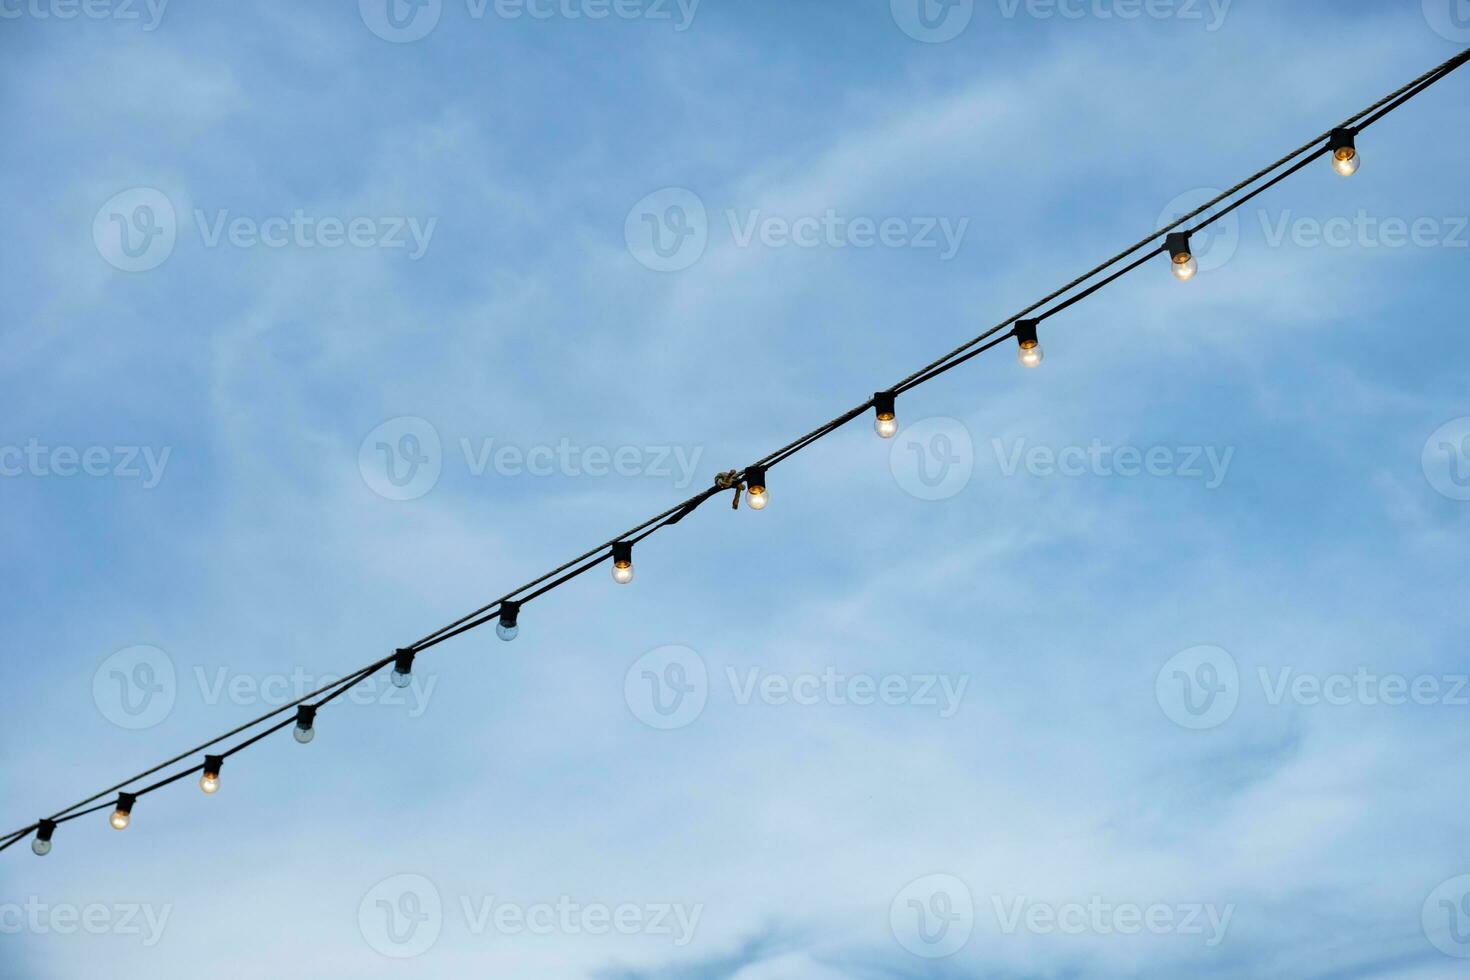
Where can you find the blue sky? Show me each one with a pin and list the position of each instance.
(342, 237)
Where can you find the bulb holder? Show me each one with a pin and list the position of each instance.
(213, 764)
(44, 830)
(1343, 140)
(1026, 334)
(403, 661)
(883, 405)
(622, 554)
(510, 612)
(305, 716)
(125, 802)
(755, 479)
(1177, 244)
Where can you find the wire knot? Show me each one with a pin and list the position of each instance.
(731, 481)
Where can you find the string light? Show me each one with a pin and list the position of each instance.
(1185, 266)
(1031, 355)
(886, 421)
(305, 729)
(123, 814)
(1344, 146)
(41, 846)
(209, 781)
(508, 626)
(755, 488)
(622, 556)
(402, 675)
(1341, 146)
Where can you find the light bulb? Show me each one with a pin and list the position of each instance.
(402, 668)
(1030, 354)
(755, 483)
(305, 729)
(508, 628)
(41, 846)
(886, 421)
(1344, 149)
(123, 815)
(1181, 256)
(209, 781)
(622, 556)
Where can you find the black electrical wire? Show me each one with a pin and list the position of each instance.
(960, 355)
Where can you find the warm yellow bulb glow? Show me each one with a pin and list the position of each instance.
(622, 572)
(886, 425)
(1346, 161)
(1185, 267)
(209, 782)
(758, 498)
(120, 819)
(1031, 355)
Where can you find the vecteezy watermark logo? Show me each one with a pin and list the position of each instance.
(667, 688)
(401, 459)
(933, 459)
(668, 230)
(64, 919)
(1213, 246)
(1364, 230)
(136, 230)
(1098, 917)
(1450, 19)
(1446, 918)
(1199, 688)
(675, 921)
(400, 21)
(933, 917)
(142, 463)
(401, 916)
(136, 687)
(1208, 464)
(1181, 10)
(1447, 459)
(932, 21)
(150, 12)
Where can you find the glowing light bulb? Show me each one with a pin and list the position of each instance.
(402, 668)
(209, 781)
(886, 422)
(1181, 258)
(622, 555)
(508, 628)
(1030, 355)
(755, 488)
(123, 815)
(41, 846)
(1344, 148)
(305, 729)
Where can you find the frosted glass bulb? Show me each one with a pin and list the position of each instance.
(209, 782)
(303, 735)
(40, 847)
(401, 678)
(886, 427)
(507, 633)
(121, 819)
(1346, 160)
(1032, 356)
(1185, 267)
(758, 498)
(623, 573)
